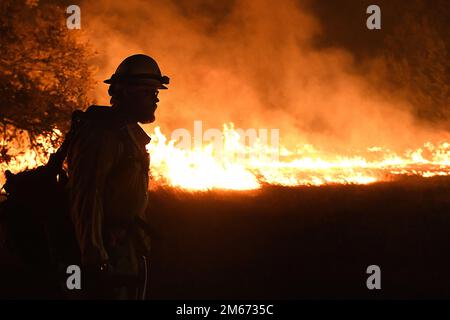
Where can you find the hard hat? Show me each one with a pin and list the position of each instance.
(139, 69)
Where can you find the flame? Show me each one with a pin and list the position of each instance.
(22, 157)
(201, 169)
(242, 167)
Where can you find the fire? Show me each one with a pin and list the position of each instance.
(241, 167)
(22, 157)
(202, 169)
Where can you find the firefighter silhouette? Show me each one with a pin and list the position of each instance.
(108, 183)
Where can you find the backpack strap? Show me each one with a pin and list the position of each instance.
(56, 159)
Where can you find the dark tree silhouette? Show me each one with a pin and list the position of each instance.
(418, 57)
(44, 72)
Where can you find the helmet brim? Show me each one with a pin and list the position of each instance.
(150, 82)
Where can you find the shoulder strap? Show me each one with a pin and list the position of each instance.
(56, 159)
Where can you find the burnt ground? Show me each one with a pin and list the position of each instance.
(302, 243)
(296, 243)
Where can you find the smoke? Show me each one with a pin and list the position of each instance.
(255, 63)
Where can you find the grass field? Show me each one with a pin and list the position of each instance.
(308, 242)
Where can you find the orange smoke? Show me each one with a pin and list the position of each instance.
(254, 64)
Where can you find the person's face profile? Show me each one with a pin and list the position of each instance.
(143, 101)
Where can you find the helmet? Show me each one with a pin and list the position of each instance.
(139, 69)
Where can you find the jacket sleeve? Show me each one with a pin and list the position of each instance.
(92, 157)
